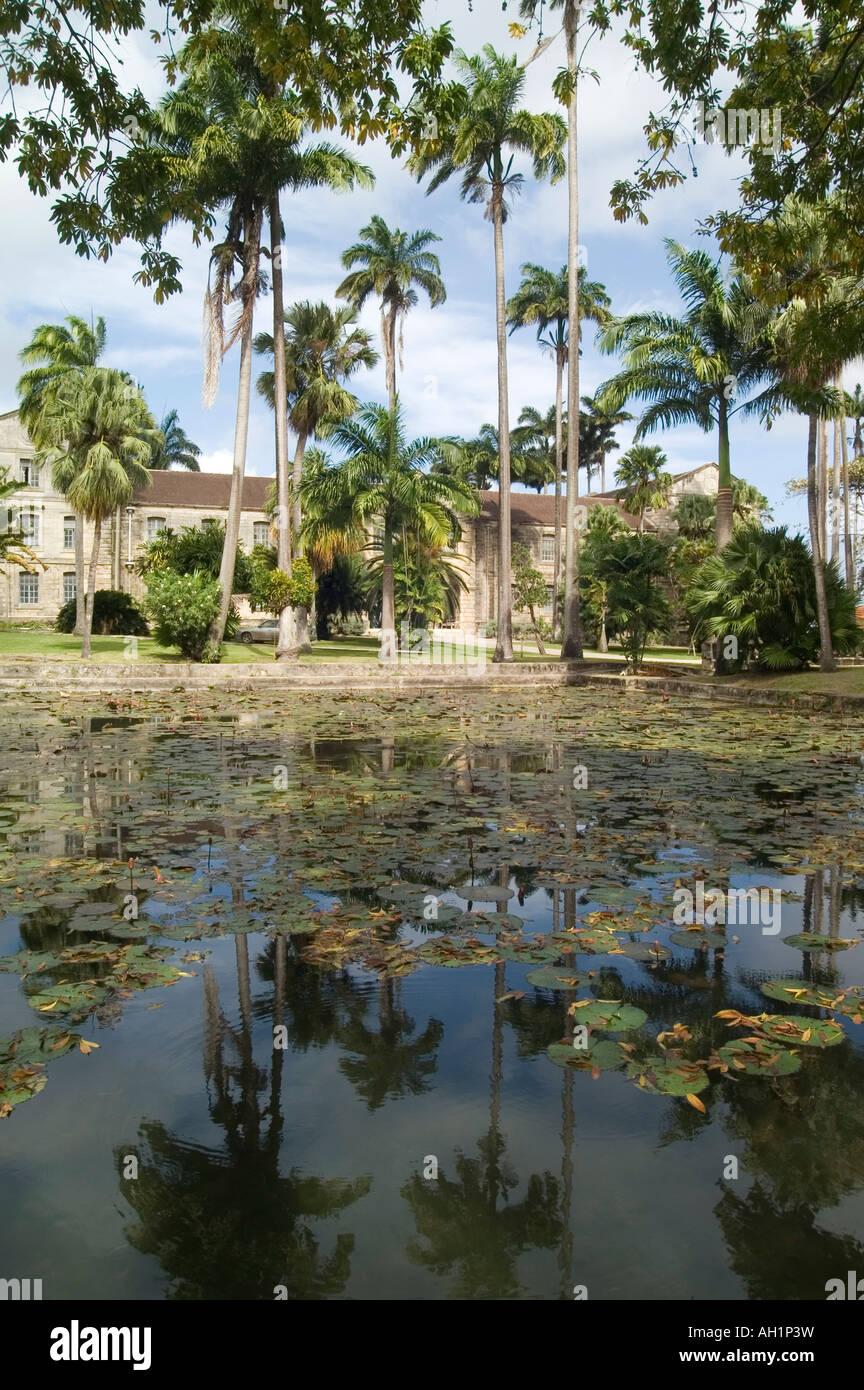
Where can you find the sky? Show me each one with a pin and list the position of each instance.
(449, 381)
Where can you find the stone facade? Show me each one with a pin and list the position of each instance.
(178, 499)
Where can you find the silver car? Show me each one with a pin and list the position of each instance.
(265, 631)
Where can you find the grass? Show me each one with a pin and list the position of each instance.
(18, 644)
(849, 680)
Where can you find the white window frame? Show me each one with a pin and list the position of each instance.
(28, 473)
(67, 530)
(258, 526)
(69, 589)
(155, 524)
(29, 583)
(547, 543)
(30, 526)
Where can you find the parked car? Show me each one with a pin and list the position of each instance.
(265, 631)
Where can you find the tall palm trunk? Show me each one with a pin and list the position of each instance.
(560, 355)
(822, 486)
(251, 238)
(80, 591)
(724, 478)
(504, 629)
(91, 589)
(301, 614)
(388, 604)
(285, 644)
(571, 646)
(826, 652)
(388, 338)
(835, 486)
(848, 561)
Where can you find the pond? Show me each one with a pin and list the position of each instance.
(443, 995)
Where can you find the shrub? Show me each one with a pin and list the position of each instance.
(113, 612)
(182, 608)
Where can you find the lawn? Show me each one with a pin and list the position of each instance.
(19, 644)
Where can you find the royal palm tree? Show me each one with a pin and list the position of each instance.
(640, 471)
(53, 350)
(174, 447)
(390, 264)
(382, 483)
(98, 437)
(323, 348)
(800, 266)
(534, 446)
(598, 428)
(233, 139)
(691, 369)
(543, 299)
(488, 131)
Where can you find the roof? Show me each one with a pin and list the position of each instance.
(676, 477)
(209, 491)
(538, 509)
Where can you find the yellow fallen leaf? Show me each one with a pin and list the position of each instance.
(85, 1046)
(155, 1006)
(807, 1035)
(696, 1103)
(46, 1008)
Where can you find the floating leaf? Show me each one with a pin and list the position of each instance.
(606, 1013)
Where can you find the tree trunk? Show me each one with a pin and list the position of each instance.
(603, 641)
(559, 468)
(822, 487)
(848, 561)
(504, 627)
(835, 486)
(91, 589)
(571, 646)
(388, 333)
(301, 614)
(537, 633)
(724, 479)
(285, 648)
(387, 651)
(80, 591)
(251, 237)
(603, 474)
(826, 653)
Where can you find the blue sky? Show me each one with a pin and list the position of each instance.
(449, 382)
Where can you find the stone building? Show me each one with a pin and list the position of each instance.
(178, 498)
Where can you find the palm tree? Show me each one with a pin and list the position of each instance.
(98, 437)
(382, 483)
(391, 264)
(640, 471)
(534, 447)
(543, 299)
(56, 349)
(473, 461)
(174, 447)
(488, 131)
(691, 369)
(233, 142)
(322, 348)
(597, 439)
(819, 328)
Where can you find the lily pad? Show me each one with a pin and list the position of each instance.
(798, 992)
(755, 1057)
(806, 1032)
(698, 940)
(668, 1076)
(603, 1055)
(818, 941)
(607, 1013)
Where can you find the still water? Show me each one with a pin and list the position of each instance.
(247, 902)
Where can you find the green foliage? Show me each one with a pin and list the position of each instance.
(426, 582)
(631, 566)
(113, 612)
(174, 446)
(341, 595)
(182, 608)
(604, 524)
(299, 587)
(761, 589)
(640, 472)
(195, 550)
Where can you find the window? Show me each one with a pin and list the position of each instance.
(28, 524)
(68, 588)
(28, 588)
(28, 473)
(155, 524)
(547, 550)
(261, 532)
(68, 533)
(208, 521)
